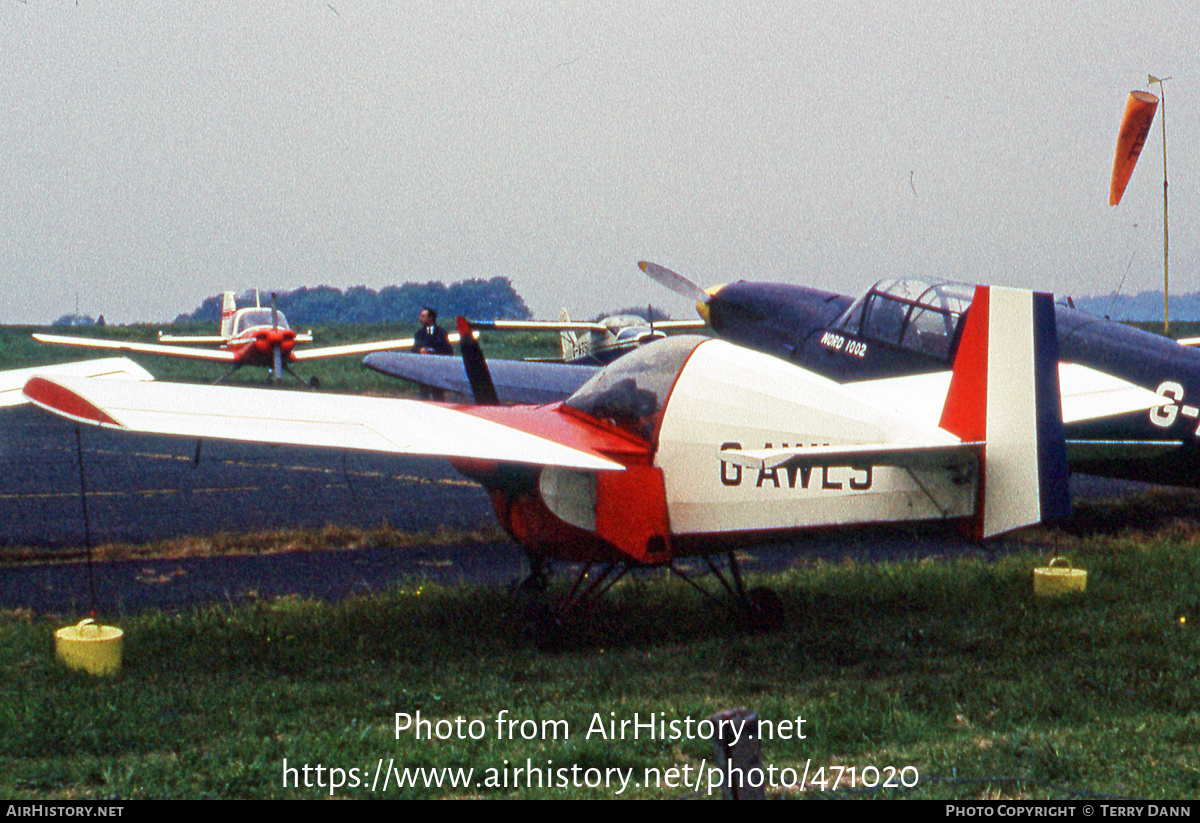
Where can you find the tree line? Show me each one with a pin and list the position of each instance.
(494, 299)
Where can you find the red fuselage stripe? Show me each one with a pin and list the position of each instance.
(561, 426)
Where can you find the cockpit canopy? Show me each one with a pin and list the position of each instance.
(256, 318)
(632, 392)
(910, 314)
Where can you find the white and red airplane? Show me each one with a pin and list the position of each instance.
(254, 336)
(688, 446)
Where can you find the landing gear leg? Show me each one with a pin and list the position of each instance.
(538, 579)
(761, 606)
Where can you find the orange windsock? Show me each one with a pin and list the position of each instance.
(1135, 125)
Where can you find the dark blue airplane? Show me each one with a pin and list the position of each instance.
(902, 327)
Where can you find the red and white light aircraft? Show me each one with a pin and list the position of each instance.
(687, 446)
(254, 336)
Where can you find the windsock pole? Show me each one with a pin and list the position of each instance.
(1166, 242)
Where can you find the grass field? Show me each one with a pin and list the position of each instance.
(338, 374)
(950, 672)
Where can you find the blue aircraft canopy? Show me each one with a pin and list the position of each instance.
(630, 391)
(911, 314)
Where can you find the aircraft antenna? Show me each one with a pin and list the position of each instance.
(1117, 293)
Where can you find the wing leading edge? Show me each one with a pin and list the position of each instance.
(223, 355)
(376, 424)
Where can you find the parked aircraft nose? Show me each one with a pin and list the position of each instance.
(702, 306)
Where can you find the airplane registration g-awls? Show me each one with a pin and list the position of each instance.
(687, 446)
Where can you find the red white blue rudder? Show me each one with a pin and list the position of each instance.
(1004, 392)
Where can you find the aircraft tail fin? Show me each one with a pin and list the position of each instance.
(228, 308)
(1004, 391)
(572, 346)
(474, 364)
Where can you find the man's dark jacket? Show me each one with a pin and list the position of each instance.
(436, 341)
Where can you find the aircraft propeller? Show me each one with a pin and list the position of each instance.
(278, 373)
(675, 282)
(710, 305)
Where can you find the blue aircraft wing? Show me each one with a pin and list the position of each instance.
(516, 381)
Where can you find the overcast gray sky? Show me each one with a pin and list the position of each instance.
(155, 153)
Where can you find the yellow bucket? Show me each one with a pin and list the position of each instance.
(89, 646)
(1058, 578)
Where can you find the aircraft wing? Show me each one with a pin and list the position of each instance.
(357, 348)
(192, 338)
(219, 355)
(376, 424)
(539, 325)
(576, 325)
(117, 368)
(516, 381)
(674, 325)
(1087, 394)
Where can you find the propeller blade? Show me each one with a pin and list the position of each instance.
(482, 387)
(1135, 126)
(278, 365)
(274, 313)
(675, 282)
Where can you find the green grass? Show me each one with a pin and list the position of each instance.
(952, 668)
(337, 374)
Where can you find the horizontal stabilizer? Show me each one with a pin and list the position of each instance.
(900, 455)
